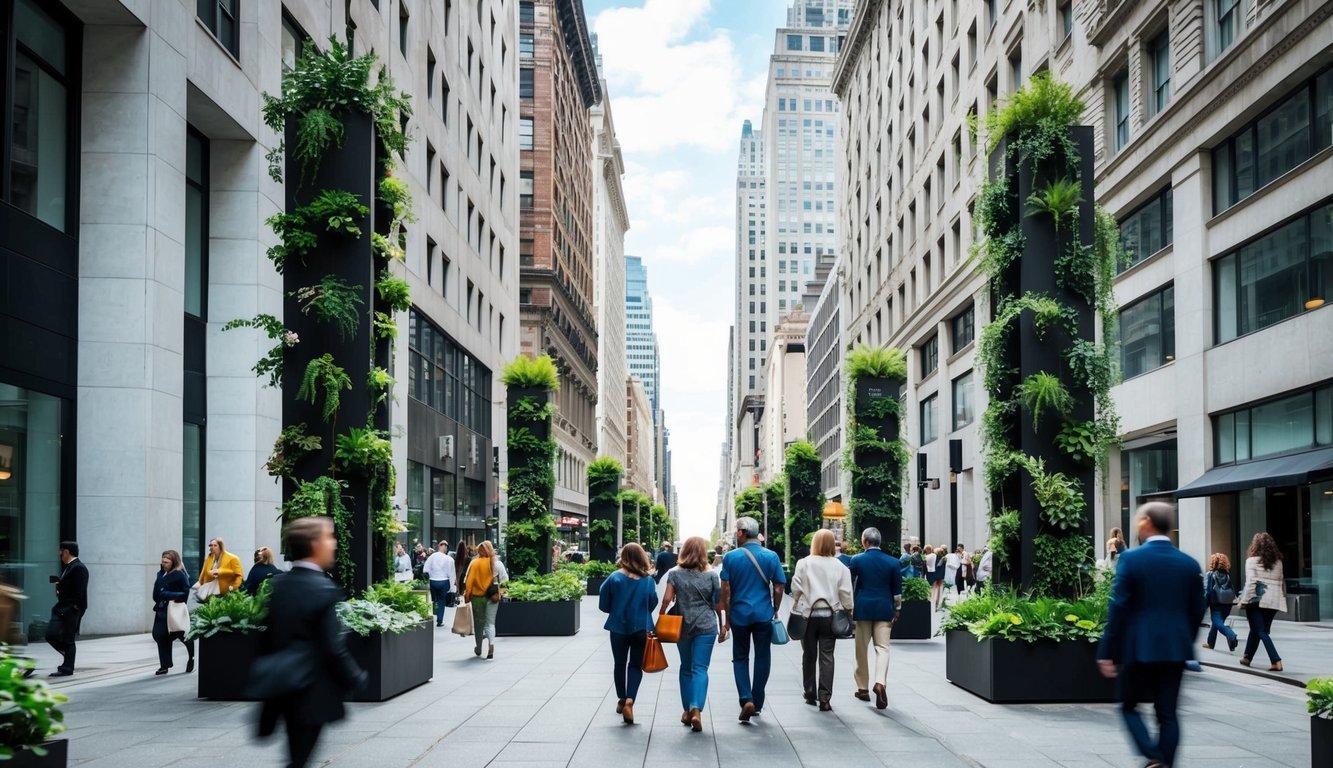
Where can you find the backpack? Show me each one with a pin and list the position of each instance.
(1223, 593)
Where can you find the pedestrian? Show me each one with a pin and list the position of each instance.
(941, 574)
(402, 564)
(752, 584)
(820, 586)
(462, 559)
(220, 566)
(1220, 596)
(1152, 619)
(419, 555)
(1115, 545)
(696, 593)
(966, 571)
(71, 605)
(717, 562)
(928, 555)
(628, 597)
(260, 572)
(666, 560)
(877, 588)
(440, 570)
(843, 556)
(482, 589)
(953, 563)
(304, 633)
(171, 587)
(1264, 595)
(984, 568)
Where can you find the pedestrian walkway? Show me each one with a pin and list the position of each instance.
(549, 702)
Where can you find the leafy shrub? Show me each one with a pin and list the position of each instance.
(1319, 697)
(560, 586)
(292, 445)
(394, 292)
(322, 373)
(30, 713)
(915, 589)
(596, 569)
(1001, 613)
(531, 373)
(1043, 391)
(876, 362)
(400, 597)
(364, 617)
(236, 611)
(362, 450)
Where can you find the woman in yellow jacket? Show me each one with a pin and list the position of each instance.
(221, 566)
(486, 570)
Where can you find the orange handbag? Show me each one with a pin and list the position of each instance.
(668, 628)
(654, 658)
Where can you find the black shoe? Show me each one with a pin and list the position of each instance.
(161, 671)
(61, 673)
(811, 700)
(824, 706)
(1232, 644)
(189, 666)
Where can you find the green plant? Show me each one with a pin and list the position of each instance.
(364, 617)
(876, 362)
(604, 469)
(385, 326)
(531, 373)
(236, 611)
(1067, 565)
(1059, 496)
(597, 569)
(362, 450)
(1043, 391)
(915, 589)
(1005, 527)
(400, 597)
(292, 445)
(394, 292)
(333, 210)
(1034, 119)
(1078, 439)
(29, 710)
(270, 364)
(1319, 697)
(1058, 199)
(560, 586)
(323, 374)
(332, 301)
(1004, 614)
(805, 497)
(324, 496)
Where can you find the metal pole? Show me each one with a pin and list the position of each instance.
(763, 494)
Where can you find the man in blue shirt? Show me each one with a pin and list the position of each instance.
(752, 583)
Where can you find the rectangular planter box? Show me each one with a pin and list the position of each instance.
(224, 665)
(1321, 741)
(1043, 672)
(394, 663)
(914, 621)
(57, 756)
(595, 585)
(552, 619)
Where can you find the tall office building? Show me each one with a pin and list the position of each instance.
(640, 337)
(132, 228)
(557, 85)
(749, 332)
(826, 409)
(1210, 120)
(641, 440)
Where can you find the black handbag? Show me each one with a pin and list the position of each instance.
(843, 626)
(1259, 589)
(796, 626)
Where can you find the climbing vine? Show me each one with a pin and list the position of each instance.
(878, 465)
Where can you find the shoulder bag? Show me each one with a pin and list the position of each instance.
(202, 592)
(178, 617)
(780, 636)
(654, 658)
(1259, 589)
(1223, 593)
(493, 591)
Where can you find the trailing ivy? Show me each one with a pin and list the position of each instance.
(878, 466)
(324, 496)
(324, 375)
(333, 301)
(270, 364)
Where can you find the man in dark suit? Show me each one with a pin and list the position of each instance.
(877, 589)
(1156, 605)
(302, 621)
(666, 560)
(71, 604)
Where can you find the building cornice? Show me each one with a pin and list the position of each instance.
(610, 173)
(862, 26)
(574, 27)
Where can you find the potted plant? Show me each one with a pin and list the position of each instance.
(915, 616)
(30, 717)
(530, 530)
(541, 604)
(227, 628)
(596, 572)
(875, 455)
(604, 476)
(1319, 694)
(391, 637)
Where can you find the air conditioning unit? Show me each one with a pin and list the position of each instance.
(446, 447)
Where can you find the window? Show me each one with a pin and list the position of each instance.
(293, 42)
(1148, 333)
(963, 409)
(1278, 141)
(1159, 51)
(963, 329)
(1228, 23)
(403, 19)
(221, 18)
(196, 223)
(929, 431)
(527, 13)
(443, 376)
(1066, 14)
(1280, 275)
(816, 44)
(1120, 94)
(930, 356)
(525, 86)
(1147, 230)
(38, 107)
(525, 189)
(194, 406)
(1283, 425)
(992, 14)
(793, 42)
(525, 46)
(525, 133)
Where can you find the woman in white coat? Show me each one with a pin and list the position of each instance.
(1264, 595)
(820, 585)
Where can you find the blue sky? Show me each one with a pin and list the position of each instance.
(682, 76)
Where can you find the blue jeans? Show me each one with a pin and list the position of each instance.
(627, 657)
(1261, 621)
(439, 590)
(695, 655)
(762, 634)
(1219, 614)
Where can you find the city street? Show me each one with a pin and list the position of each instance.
(549, 702)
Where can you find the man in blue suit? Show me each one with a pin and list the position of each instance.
(1156, 604)
(877, 591)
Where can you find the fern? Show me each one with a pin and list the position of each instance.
(531, 372)
(338, 211)
(394, 291)
(876, 362)
(385, 327)
(1059, 199)
(332, 301)
(324, 374)
(1041, 392)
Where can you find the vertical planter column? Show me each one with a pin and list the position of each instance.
(603, 504)
(875, 454)
(530, 529)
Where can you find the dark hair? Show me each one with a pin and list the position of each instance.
(1160, 514)
(1263, 547)
(633, 559)
(302, 533)
(175, 558)
(70, 546)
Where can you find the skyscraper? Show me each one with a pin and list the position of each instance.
(640, 338)
(749, 334)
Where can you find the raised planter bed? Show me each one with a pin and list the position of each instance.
(394, 663)
(57, 756)
(1041, 672)
(914, 621)
(595, 585)
(1321, 741)
(546, 618)
(224, 665)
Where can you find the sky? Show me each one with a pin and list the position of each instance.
(682, 77)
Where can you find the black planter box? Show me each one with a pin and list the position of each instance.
(1041, 672)
(1321, 741)
(394, 663)
(914, 621)
(545, 618)
(224, 665)
(595, 585)
(57, 756)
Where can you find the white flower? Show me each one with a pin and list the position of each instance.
(290, 338)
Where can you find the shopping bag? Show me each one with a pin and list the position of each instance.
(654, 658)
(178, 617)
(668, 628)
(463, 620)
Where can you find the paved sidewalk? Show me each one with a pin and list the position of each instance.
(549, 702)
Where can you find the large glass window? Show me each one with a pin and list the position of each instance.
(525, 83)
(1147, 230)
(443, 376)
(963, 408)
(929, 421)
(525, 126)
(1148, 333)
(1145, 474)
(222, 17)
(192, 498)
(36, 153)
(1276, 277)
(1281, 139)
(196, 231)
(1284, 425)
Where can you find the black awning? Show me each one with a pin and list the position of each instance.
(1296, 469)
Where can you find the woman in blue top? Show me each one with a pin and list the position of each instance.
(628, 597)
